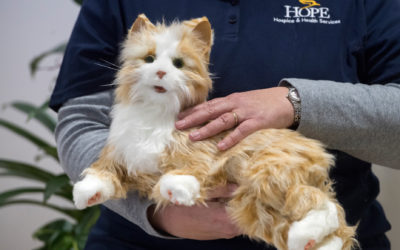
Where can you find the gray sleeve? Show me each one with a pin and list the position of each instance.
(361, 120)
(81, 132)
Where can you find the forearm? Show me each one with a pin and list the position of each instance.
(82, 130)
(361, 120)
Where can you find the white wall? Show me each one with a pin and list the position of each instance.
(390, 200)
(27, 28)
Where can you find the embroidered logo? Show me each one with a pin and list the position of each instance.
(309, 3)
(312, 13)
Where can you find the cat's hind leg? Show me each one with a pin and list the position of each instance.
(313, 228)
(256, 218)
(331, 243)
(315, 217)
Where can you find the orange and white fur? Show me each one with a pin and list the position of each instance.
(284, 197)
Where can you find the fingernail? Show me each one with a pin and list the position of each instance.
(195, 135)
(232, 187)
(222, 145)
(180, 124)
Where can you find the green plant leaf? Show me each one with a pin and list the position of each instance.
(27, 171)
(53, 232)
(37, 113)
(34, 65)
(64, 242)
(41, 248)
(73, 213)
(19, 169)
(82, 239)
(46, 147)
(84, 225)
(66, 192)
(88, 219)
(15, 192)
(57, 235)
(79, 2)
(28, 190)
(45, 232)
(55, 185)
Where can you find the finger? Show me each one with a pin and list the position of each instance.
(204, 113)
(189, 111)
(211, 222)
(225, 191)
(224, 122)
(222, 223)
(244, 129)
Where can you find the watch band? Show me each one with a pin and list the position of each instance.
(294, 98)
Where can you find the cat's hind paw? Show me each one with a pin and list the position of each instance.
(313, 228)
(92, 190)
(180, 189)
(334, 243)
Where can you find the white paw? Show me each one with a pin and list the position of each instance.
(91, 191)
(332, 244)
(313, 228)
(180, 189)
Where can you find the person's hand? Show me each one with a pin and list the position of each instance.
(248, 111)
(197, 222)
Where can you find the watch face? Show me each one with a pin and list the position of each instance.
(294, 96)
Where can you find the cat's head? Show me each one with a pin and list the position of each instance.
(165, 64)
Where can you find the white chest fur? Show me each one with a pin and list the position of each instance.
(139, 134)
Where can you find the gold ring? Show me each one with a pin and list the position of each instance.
(235, 116)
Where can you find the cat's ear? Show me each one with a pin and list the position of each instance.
(141, 22)
(202, 27)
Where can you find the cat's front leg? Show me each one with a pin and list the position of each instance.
(102, 181)
(92, 190)
(177, 188)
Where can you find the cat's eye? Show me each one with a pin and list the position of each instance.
(178, 62)
(149, 59)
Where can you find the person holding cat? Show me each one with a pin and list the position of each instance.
(345, 69)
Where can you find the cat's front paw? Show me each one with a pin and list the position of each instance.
(180, 189)
(313, 228)
(92, 190)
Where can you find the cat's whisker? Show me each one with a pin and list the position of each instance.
(109, 84)
(197, 79)
(214, 77)
(105, 66)
(110, 63)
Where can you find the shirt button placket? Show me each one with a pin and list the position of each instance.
(233, 15)
(232, 19)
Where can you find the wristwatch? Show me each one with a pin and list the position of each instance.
(294, 98)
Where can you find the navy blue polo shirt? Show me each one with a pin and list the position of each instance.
(257, 43)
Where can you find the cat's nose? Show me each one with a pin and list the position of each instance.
(161, 73)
